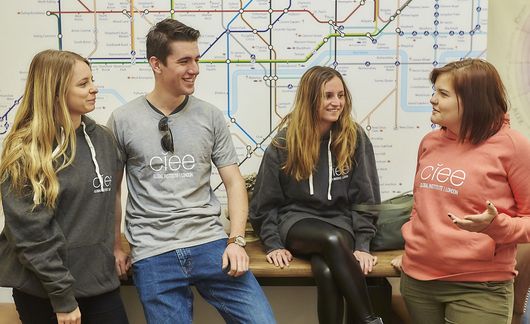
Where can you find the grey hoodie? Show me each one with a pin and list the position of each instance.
(67, 252)
(279, 201)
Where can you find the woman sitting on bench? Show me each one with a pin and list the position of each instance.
(318, 165)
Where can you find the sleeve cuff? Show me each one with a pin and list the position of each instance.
(272, 244)
(362, 242)
(495, 228)
(65, 303)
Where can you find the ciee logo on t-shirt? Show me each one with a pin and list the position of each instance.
(172, 166)
(107, 184)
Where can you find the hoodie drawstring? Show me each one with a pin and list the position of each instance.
(93, 154)
(330, 172)
(330, 167)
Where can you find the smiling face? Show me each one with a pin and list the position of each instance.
(81, 94)
(332, 103)
(446, 110)
(178, 75)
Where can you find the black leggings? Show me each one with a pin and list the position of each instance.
(106, 308)
(337, 273)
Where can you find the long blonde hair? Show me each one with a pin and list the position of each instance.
(303, 137)
(41, 141)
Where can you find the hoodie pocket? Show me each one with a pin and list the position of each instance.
(471, 249)
(93, 268)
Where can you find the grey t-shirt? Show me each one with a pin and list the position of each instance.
(171, 203)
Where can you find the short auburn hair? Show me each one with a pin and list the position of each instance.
(482, 94)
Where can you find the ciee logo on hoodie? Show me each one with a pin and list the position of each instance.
(107, 184)
(442, 178)
(339, 175)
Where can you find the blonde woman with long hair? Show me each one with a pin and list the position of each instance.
(56, 174)
(318, 165)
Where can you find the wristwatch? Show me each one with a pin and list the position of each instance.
(239, 240)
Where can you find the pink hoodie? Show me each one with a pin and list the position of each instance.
(459, 178)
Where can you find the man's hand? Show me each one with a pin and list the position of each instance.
(280, 257)
(366, 260)
(123, 262)
(74, 317)
(476, 223)
(235, 260)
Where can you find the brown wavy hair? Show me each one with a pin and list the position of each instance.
(42, 124)
(302, 137)
(479, 87)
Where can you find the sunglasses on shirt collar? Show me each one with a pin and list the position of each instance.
(167, 138)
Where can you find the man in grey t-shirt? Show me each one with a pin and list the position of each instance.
(168, 140)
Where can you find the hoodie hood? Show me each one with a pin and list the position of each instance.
(89, 123)
(87, 126)
(452, 136)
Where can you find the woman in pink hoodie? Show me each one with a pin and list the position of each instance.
(471, 202)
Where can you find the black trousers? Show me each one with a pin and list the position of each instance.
(102, 309)
(337, 273)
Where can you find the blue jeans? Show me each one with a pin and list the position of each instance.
(164, 286)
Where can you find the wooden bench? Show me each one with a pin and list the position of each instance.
(300, 268)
